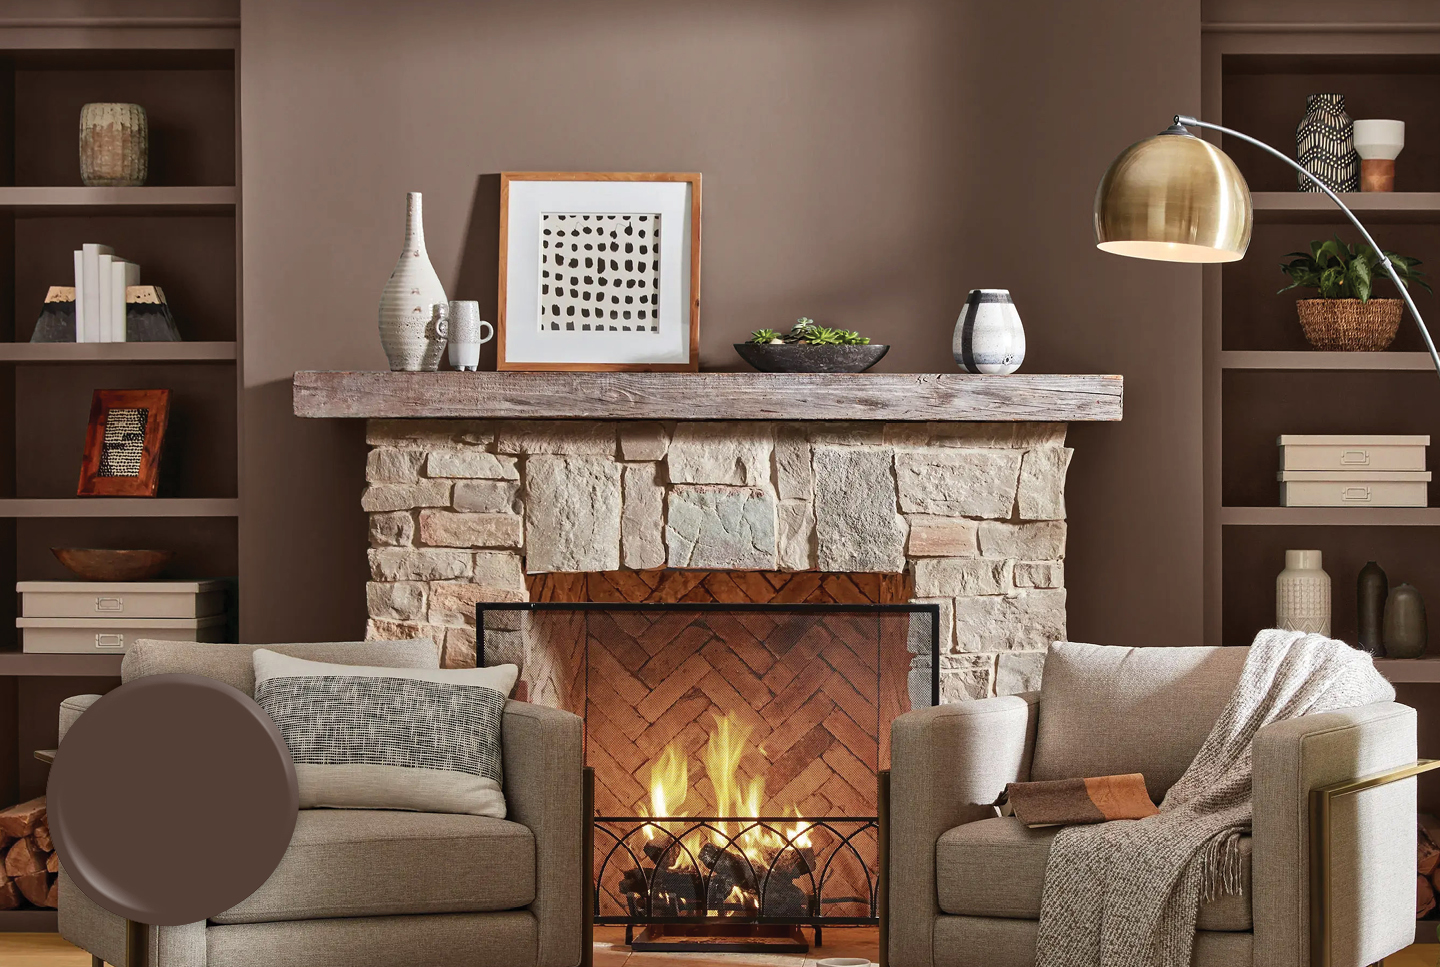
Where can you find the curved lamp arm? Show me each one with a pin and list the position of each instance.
(1394, 276)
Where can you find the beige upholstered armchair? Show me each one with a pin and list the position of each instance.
(379, 887)
(965, 885)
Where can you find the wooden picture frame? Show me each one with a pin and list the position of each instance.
(123, 443)
(679, 323)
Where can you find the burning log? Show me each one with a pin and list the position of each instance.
(729, 872)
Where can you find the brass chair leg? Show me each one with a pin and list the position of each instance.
(134, 944)
(96, 961)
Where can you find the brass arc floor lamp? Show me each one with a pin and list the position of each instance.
(1178, 198)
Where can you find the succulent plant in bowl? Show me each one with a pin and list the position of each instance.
(810, 348)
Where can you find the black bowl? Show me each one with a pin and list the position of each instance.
(786, 358)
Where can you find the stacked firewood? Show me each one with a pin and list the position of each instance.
(31, 865)
(675, 888)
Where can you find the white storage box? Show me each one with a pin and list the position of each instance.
(110, 636)
(1352, 452)
(125, 600)
(1353, 488)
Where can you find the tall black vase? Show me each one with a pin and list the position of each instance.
(1405, 631)
(1370, 591)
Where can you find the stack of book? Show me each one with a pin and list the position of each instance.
(100, 283)
(1322, 470)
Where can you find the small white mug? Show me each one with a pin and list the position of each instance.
(465, 335)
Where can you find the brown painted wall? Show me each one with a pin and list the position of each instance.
(865, 163)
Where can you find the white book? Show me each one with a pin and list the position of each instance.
(123, 275)
(79, 296)
(92, 288)
(103, 274)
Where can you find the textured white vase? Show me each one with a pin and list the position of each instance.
(988, 335)
(413, 304)
(1302, 594)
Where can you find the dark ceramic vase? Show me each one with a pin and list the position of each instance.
(1404, 630)
(1370, 591)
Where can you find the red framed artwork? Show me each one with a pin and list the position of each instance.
(123, 443)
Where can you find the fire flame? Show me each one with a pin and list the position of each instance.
(724, 752)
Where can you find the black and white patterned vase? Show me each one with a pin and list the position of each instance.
(988, 335)
(1325, 144)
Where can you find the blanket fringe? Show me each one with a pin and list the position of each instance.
(1220, 865)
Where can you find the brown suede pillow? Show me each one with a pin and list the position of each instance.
(1074, 802)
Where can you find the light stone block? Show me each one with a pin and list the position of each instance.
(795, 522)
(459, 650)
(918, 640)
(500, 576)
(720, 528)
(497, 620)
(942, 536)
(907, 434)
(426, 493)
(470, 463)
(487, 496)
(952, 577)
(847, 433)
(453, 602)
(643, 441)
(856, 525)
(571, 437)
(1005, 435)
(418, 564)
(642, 519)
(388, 465)
(794, 478)
(383, 629)
(1025, 621)
(1039, 574)
(446, 528)
(572, 513)
(1042, 483)
(396, 600)
(958, 483)
(720, 453)
(1041, 541)
(396, 528)
(424, 434)
(963, 678)
(1019, 672)
(503, 648)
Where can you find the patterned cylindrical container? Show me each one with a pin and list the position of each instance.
(114, 145)
(988, 335)
(1302, 594)
(1325, 145)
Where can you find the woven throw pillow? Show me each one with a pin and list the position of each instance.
(389, 738)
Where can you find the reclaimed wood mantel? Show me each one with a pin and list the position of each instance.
(709, 396)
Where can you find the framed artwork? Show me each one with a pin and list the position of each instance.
(123, 441)
(599, 271)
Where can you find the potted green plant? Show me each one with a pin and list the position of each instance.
(810, 348)
(1345, 316)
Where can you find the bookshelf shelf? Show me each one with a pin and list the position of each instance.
(197, 199)
(75, 507)
(117, 352)
(1315, 360)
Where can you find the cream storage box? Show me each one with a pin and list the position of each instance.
(1353, 488)
(1352, 452)
(88, 617)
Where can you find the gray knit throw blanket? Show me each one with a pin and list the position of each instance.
(1125, 893)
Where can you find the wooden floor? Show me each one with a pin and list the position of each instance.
(48, 950)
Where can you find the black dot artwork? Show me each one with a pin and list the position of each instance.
(565, 309)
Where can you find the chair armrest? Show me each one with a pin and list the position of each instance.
(71, 708)
(543, 763)
(947, 765)
(1373, 866)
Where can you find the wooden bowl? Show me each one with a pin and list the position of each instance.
(100, 564)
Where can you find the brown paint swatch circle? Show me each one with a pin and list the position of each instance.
(172, 799)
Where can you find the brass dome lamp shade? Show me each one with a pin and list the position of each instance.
(1178, 198)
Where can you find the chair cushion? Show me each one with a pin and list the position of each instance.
(235, 664)
(369, 863)
(996, 868)
(1106, 710)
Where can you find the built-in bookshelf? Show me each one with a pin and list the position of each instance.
(1261, 379)
(183, 229)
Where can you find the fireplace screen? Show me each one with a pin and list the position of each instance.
(736, 749)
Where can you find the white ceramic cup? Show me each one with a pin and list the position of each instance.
(465, 336)
(1379, 139)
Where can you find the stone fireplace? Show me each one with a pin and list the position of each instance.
(969, 516)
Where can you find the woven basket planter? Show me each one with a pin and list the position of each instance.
(1349, 325)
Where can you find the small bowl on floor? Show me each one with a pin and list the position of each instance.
(843, 962)
(101, 564)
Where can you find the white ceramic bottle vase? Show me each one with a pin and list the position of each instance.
(1302, 594)
(413, 304)
(988, 335)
